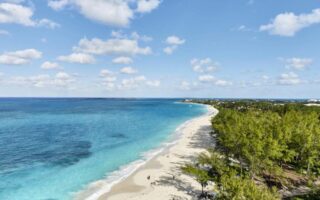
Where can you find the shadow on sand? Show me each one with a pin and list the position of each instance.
(200, 140)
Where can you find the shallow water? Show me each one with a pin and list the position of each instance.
(52, 148)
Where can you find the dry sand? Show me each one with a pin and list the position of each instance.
(312, 104)
(161, 177)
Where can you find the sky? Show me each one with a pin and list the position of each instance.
(160, 48)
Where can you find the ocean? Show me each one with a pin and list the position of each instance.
(52, 149)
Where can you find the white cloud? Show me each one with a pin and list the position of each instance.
(80, 58)
(265, 77)
(243, 28)
(39, 81)
(60, 80)
(170, 49)
(136, 82)
(20, 57)
(132, 83)
(18, 80)
(211, 79)
(118, 34)
(184, 85)
(128, 70)
(222, 83)
(122, 60)
(109, 12)
(58, 4)
(62, 75)
(136, 36)
(107, 76)
(108, 85)
(106, 72)
(154, 83)
(112, 46)
(14, 13)
(4, 32)
(140, 78)
(19, 14)
(206, 78)
(288, 24)
(174, 40)
(107, 79)
(49, 65)
(289, 79)
(14, 1)
(112, 12)
(48, 24)
(146, 6)
(204, 65)
(298, 63)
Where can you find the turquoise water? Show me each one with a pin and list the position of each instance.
(52, 148)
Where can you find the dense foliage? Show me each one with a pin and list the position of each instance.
(265, 135)
(256, 142)
(229, 183)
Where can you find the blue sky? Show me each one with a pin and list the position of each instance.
(160, 48)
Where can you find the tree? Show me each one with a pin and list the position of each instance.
(201, 176)
(237, 188)
(255, 141)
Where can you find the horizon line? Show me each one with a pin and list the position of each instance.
(97, 97)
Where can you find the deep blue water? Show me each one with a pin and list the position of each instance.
(52, 148)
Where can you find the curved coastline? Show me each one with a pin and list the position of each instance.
(102, 187)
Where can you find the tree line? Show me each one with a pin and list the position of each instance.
(257, 141)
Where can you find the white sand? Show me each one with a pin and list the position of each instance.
(312, 104)
(166, 179)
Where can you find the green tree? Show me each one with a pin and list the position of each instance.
(200, 175)
(233, 187)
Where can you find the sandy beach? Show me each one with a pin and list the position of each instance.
(161, 178)
(312, 104)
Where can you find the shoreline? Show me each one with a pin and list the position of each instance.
(134, 182)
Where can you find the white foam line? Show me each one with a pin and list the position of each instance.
(103, 186)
